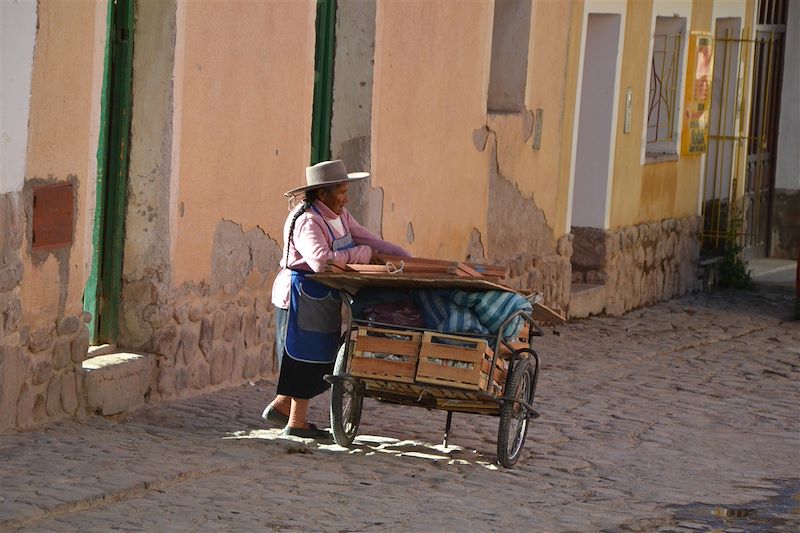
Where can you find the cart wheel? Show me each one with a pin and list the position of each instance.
(346, 401)
(513, 416)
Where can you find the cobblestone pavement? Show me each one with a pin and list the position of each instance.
(679, 417)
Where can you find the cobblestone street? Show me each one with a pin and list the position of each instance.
(679, 417)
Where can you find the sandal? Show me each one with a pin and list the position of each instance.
(274, 416)
(311, 432)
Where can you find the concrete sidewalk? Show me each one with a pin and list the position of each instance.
(779, 272)
(678, 417)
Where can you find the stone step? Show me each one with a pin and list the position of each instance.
(586, 300)
(117, 382)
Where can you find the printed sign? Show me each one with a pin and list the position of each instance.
(697, 101)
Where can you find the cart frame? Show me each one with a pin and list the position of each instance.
(514, 405)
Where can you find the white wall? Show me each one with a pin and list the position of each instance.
(787, 174)
(17, 38)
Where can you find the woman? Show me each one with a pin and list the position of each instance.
(308, 314)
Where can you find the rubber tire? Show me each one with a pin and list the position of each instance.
(344, 431)
(521, 374)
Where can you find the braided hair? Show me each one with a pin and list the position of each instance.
(310, 197)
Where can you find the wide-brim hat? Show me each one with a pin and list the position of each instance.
(326, 173)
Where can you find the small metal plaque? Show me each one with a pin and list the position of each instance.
(53, 215)
(537, 128)
(626, 125)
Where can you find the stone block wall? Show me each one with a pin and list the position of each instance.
(202, 340)
(550, 274)
(39, 366)
(651, 262)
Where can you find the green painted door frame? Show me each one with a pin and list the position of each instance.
(103, 289)
(323, 81)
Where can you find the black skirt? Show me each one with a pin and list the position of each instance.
(302, 380)
(297, 379)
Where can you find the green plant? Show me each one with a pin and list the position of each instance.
(733, 271)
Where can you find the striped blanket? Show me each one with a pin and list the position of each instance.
(483, 312)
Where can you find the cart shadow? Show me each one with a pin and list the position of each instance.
(376, 446)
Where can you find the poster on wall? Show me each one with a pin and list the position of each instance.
(697, 102)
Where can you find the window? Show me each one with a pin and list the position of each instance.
(509, 66)
(666, 78)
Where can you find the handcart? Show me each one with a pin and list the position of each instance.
(464, 373)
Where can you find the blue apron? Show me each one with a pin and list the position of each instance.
(315, 313)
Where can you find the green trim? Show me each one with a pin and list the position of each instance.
(90, 294)
(108, 237)
(323, 81)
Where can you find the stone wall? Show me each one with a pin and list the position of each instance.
(549, 274)
(203, 340)
(39, 367)
(644, 264)
(207, 336)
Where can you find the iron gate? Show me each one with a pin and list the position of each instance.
(740, 163)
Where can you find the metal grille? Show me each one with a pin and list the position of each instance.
(664, 82)
(740, 164)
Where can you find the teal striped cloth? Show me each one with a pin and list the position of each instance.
(481, 312)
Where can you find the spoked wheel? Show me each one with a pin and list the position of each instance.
(514, 416)
(346, 402)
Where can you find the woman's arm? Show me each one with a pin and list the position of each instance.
(311, 241)
(362, 235)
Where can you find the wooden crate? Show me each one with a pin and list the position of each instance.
(385, 354)
(451, 360)
(500, 374)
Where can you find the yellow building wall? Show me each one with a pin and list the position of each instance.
(62, 146)
(544, 173)
(243, 120)
(430, 56)
(654, 190)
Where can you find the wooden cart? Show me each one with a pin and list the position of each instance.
(418, 367)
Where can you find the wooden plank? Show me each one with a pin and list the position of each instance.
(426, 370)
(446, 383)
(463, 267)
(547, 315)
(390, 370)
(353, 281)
(482, 269)
(450, 353)
(391, 346)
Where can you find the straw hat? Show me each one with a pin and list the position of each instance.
(326, 173)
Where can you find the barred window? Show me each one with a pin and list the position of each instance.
(666, 77)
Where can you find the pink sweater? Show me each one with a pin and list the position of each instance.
(311, 247)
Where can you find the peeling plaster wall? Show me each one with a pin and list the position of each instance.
(429, 95)
(242, 122)
(208, 168)
(351, 122)
(43, 338)
(149, 172)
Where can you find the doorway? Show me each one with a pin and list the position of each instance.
(103, 288)
(593, 157)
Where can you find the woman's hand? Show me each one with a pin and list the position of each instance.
(376, 258)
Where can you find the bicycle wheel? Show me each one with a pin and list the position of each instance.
(346, 402)
(514, 416)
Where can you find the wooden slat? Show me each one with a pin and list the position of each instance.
(390, 370)
(459, 384)
(380, 345)
(452, 353)
(545, 314)
(463, 267)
